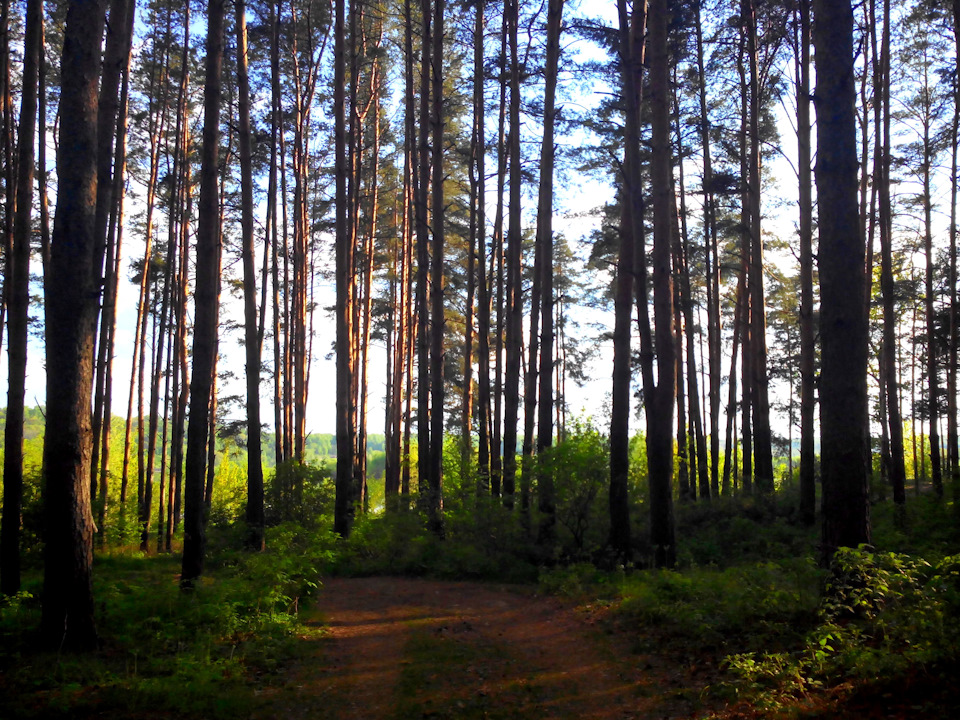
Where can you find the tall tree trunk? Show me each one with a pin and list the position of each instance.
(746, 328)
(953, 437)
(700, 481)
(933, 365)
(888, 359)
(762, 450)
(496, 271)
(7, 151)
(254, 512)
(160, 333)
(685, 492)
(808, 488)
(843, 382)
(547, 502)
(206, 304)
(18, 301)
(179, 428)
(115, 68)
(156, 123)
(712, 262)
(632, 31)
(660, 399)
(109, 315)
(483, 311)
(436, 282)
(514, 309)
(71, 298)
(423, 262)
(276, 133)
(346, 496)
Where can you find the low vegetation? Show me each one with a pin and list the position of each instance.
(756, 627)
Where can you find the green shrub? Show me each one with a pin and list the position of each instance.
(299, 492)
(882, 617)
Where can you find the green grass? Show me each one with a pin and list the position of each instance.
(199, 654)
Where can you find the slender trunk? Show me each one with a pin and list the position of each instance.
(711, 262)
(933, 365)
(276, 132)
(545, 487)
(697, 441)
(206, 304)
(423, 262)
(747, 325)
(953, 437)
(483, 311)
(660, 399)
(730, 450)
(808, 488)
(254, 512)
(685, 492)
(346, 499)
(762, 449)
(115, 68)
(514, 289)
(496, 271)
(896, 468)
(18, 299)
(436, 282)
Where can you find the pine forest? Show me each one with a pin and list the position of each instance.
(363, 358)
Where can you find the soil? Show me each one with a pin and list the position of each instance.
(412, 648)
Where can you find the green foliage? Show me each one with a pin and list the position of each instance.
(743, 607)
(730, 531)
(162, 650)
(882, 617)
(300, 492)
(580, 466)
(485, 544)
(582, 579)
(229, 489)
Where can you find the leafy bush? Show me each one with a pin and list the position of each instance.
(882, 617)
(299, 492)
(580, 465)
(746, 607)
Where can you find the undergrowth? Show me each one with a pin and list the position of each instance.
(196, 654)
(786, 638)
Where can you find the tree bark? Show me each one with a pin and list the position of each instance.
(660, 399)
(423, 262)
(632, 30)
(888, 359)
(514, 288)
(346, 497)
(71, 299)
(762, 450)
(437, 326)
(808, 488)
(18, 301)
(712, 263)
(545, 487)
(483, 289)
(206, 304)
(254, 511)
(843, 381)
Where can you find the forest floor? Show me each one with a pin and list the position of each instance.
(402, 648)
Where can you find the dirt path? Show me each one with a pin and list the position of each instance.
(402, 648)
